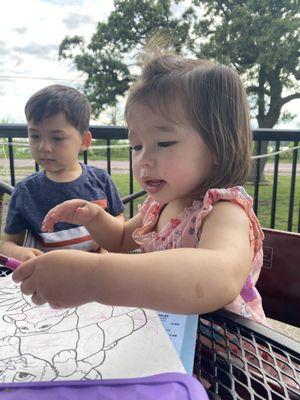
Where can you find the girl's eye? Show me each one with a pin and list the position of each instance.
(33, 137)
(166, 144)
(137, 147)
(58, 139)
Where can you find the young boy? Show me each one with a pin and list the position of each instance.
(58, 130)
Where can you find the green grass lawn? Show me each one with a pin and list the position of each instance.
(264, 205)
(282, 203)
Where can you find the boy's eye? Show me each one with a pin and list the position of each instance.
(58, 138)
(33, 136)
(166, 144)
(137, 147)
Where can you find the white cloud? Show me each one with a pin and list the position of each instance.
(73, 21)
(29, 45)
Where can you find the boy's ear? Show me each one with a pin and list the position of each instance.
(86, 141)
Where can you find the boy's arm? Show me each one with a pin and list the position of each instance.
(12, 246)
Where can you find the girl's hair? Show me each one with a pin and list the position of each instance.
(56, 99)
(214, 102)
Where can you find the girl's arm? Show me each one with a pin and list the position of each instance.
(110, 232)
(187, 280)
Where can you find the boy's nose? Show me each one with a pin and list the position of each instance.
(45, 145)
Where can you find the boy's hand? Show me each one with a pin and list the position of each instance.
(63, 278)
(28, 252)
(25, 253)
(79, 212)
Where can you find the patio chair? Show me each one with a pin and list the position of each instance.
(279, 281)
(5, 189)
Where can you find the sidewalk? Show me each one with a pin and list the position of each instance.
(123, 166)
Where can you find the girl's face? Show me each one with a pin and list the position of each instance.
(170, 159)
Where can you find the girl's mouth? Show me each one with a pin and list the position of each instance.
(154, 185)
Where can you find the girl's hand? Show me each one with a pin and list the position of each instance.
(63, 278)
(79, 212)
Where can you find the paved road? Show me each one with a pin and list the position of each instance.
(118, 167)
(123, 166)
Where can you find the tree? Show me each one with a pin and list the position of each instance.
(260, 38)
(108, 60)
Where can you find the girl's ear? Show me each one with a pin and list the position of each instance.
(86, 141)
(214, 158)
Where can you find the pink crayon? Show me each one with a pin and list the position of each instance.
(10, 262)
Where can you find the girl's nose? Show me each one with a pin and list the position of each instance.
(147, 159)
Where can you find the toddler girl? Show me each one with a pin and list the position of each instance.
(200, 241)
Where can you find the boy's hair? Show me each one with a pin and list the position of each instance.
(214, 102)
(55, 99)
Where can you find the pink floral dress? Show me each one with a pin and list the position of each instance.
(185, 229)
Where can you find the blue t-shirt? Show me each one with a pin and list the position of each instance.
(34, 196)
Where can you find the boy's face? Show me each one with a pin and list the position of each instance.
(55, 145)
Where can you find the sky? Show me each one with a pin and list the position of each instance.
(30, 34)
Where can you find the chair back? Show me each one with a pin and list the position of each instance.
(5, 188)
(279, 281)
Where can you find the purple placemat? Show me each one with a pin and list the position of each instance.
(168, 386)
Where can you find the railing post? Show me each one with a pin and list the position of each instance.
(274, 189)
(299, 217)
(131, 189)
(11, 162)
(85, 157)
(108, 156)
(292, 189)
(257, 178)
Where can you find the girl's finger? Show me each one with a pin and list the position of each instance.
(36, 299)
(47, 226)
(49, 222)
(28, 287)
(55, 306)
(24, 271)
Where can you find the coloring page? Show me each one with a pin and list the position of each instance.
(93, 341)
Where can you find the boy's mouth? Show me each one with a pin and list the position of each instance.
(46, 160)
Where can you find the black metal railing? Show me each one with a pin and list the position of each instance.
(277, 138)
(289, 137)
